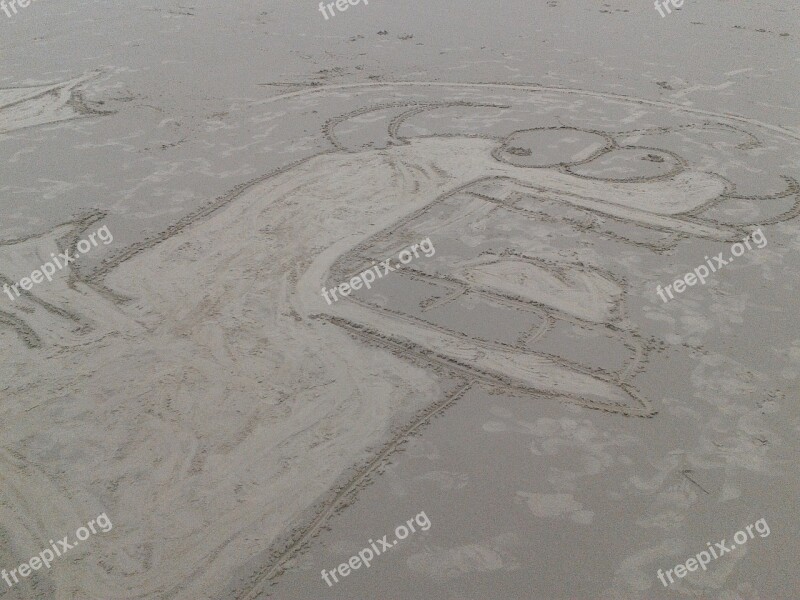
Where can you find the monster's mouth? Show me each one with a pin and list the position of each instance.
(663, 206)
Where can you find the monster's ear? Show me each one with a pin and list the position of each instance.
(379, 127)
(367, 129)
(748, 212)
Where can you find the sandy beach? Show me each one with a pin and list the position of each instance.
(567, 429)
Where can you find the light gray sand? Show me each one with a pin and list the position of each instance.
(191, 382)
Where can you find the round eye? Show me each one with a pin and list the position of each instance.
(631, 163)
(552, 147)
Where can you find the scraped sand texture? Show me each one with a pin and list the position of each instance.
(192, 382)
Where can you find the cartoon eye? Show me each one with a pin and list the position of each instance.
(630, 163)
(552, 147)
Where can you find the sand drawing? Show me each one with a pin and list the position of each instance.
(32, 106)
(221, 313)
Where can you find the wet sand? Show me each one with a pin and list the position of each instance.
(567, 432)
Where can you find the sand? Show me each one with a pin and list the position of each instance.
(567, 432)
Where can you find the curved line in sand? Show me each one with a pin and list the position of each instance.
(533, 87)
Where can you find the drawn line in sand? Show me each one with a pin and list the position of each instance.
(436, 169)
(32, 106)
(683, 224)
(286, 549)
